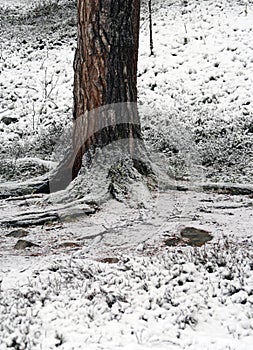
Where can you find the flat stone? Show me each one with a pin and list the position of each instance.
(22, 244)
(17, 233)
(196, 237)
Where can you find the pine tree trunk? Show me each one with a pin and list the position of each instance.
(105, 79)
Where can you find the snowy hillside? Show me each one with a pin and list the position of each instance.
(194, 94)
(172, 269)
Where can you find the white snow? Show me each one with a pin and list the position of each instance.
(121, 287)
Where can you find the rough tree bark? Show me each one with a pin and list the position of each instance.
(105, 97)
(105, 68)
(105, 74)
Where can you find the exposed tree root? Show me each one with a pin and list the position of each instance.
(57, 213)
(77, 208)
(16, 189)
(125, 179)
(83, 196)
(228, 188)
(222, 188)
(25, 198)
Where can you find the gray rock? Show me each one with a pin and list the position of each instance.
(22, 244)
(9, 120)
(69, 245)
(196, 237)
(18, 233)
(109, 260)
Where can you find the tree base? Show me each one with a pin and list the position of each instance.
(111, 174)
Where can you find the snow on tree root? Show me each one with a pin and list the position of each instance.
(57, 213)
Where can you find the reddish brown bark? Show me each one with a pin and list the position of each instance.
(105, 73)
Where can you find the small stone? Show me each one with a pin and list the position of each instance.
(140, 248)
(69, 245)
(245, 324)
(173, 241)
(18, 233)
(9, 120)
(22, 244)
(240, 298)
(109, 260)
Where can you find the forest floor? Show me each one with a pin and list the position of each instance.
(173, 270)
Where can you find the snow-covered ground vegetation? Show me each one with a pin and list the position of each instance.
(173, 272)
(197, 86)
(173, 301)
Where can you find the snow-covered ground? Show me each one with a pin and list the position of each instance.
(194, 93)
(127, 278)
(173, 301)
